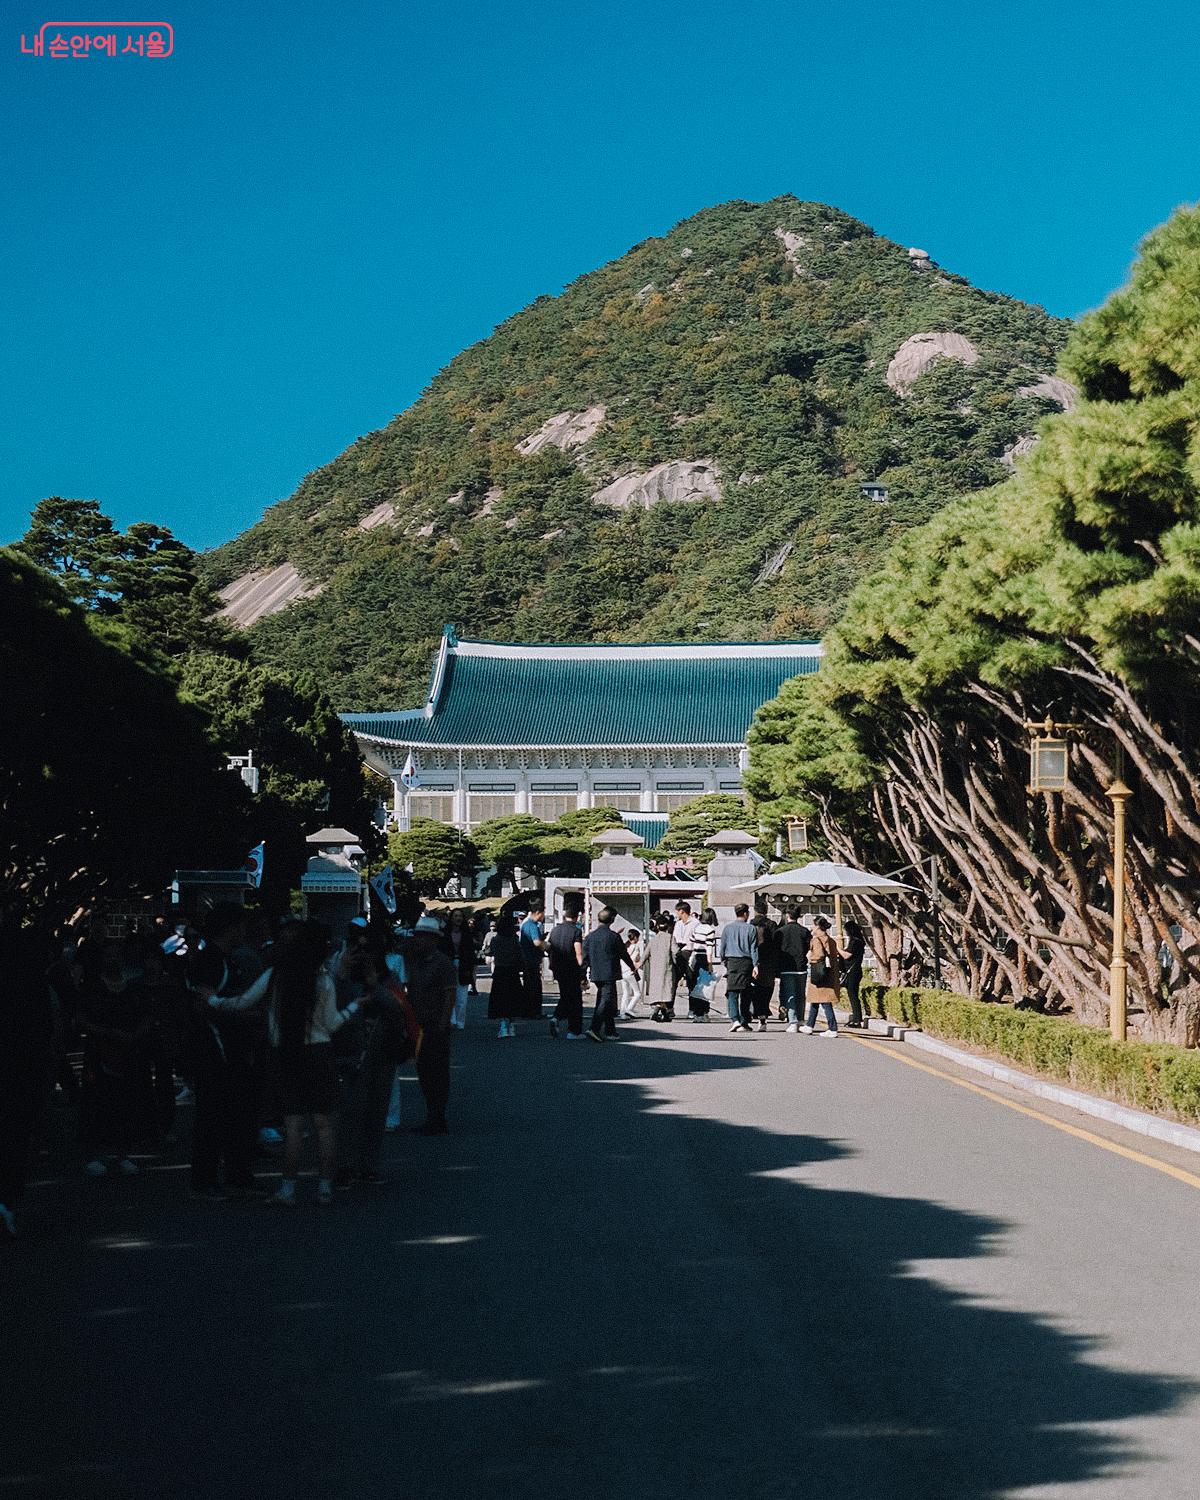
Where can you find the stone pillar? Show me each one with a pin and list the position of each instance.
(618, 879)
(729, 867)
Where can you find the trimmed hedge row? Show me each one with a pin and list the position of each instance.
(1149, 1075)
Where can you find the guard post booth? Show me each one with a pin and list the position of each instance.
(332, 887)
(618, 879)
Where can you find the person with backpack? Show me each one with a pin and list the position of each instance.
(386, 1037)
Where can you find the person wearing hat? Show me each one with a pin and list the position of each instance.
(432, 991)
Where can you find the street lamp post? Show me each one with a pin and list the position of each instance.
(1118, 970)
(936, 918)
(1049, 772)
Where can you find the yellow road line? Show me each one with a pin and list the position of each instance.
(1178, 1173)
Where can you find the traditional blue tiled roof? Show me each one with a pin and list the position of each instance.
(485, 693)
(649, 827)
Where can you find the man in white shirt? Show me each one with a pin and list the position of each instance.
(684, 933)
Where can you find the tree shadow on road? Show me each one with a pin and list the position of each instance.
(583, 1294)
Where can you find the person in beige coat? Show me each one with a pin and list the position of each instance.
(824, 981)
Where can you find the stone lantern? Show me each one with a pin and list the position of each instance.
(332, 885)
(618, 879)
(730, 866)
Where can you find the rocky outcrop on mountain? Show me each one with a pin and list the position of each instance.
(1019, 449)
(919, 259)
(1053, 388)
(676, 483)
(793, 246)
(382, 515)
(773, 565)
(256, 595)
(917, 353)
(568, 429)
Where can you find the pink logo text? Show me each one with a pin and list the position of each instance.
(59, 39)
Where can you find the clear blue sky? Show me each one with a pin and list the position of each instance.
(221, 268)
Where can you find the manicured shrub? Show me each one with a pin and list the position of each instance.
(1149, 1075)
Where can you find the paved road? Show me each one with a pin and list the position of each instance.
(687, 1264)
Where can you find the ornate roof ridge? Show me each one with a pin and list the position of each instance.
(636, 650)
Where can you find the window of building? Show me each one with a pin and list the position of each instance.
(549, 800)
(490, 804)
(438, 805)
(551, 805)
(625, 796)
(669, 795)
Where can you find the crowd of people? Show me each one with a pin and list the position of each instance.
(681, 955)
(258, 1029)
(263, 1029)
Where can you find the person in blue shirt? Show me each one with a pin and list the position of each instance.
(533, 946)
(737, 947)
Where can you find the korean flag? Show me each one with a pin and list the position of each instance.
(254, 864)
(409, 775)
(384, 887)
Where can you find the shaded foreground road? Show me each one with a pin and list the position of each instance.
(686, 1264)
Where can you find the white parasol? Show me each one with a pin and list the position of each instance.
(821, 877)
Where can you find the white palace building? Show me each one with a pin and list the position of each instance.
(546, 729)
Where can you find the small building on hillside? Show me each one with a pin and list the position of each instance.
(512, 728)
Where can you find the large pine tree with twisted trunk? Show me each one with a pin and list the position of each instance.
(1074, 591)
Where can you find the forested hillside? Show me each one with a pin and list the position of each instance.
(672, 448)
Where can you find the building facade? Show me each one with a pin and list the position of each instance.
(547, 729)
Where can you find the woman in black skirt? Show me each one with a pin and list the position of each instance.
(507, 1002)
(302, 1017)
(763, 987)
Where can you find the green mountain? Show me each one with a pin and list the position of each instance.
(675, 447)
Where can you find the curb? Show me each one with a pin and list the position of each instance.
(1171, 1132)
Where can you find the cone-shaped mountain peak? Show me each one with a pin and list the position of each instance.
(712, 436)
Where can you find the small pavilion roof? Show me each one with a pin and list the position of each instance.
(490, 694)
